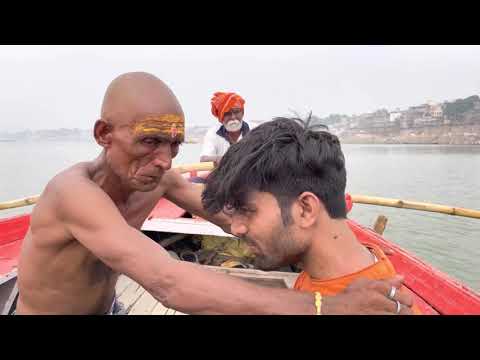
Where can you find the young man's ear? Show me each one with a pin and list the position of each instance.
(307, 207)
(103, 133)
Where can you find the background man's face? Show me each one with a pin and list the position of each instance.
(233, 116)
(260, 224)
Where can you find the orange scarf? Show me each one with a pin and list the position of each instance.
(382, 269)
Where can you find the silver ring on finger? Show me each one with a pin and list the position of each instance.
(391, 294)
(399, 306)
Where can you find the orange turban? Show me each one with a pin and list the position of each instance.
(223, 102)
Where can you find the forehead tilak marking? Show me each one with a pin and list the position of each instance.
(168, 124)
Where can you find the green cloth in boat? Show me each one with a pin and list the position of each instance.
(226, 246)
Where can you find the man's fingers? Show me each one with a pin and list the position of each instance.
(393, 308)
(405, 298)
(359, 283)
(374, 298)
(385, 287)
(405, 310)
(401, 295)
(397, 281)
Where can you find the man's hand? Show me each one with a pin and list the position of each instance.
(188, 196)
(369, 297)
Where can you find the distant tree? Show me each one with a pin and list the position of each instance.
(331, 119)
(454, 110)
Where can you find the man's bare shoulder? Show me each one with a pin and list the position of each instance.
(73, 199)
(47, 216)
(72, 181)
(68, 179)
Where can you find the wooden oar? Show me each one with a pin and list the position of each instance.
(31, 200)
(405, 204)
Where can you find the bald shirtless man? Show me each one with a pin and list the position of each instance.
(84, 230)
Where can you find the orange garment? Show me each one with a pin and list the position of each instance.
(224, 102)
(382, 269)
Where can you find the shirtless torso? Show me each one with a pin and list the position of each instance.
(70, 273)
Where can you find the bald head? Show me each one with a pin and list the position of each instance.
(136, 93)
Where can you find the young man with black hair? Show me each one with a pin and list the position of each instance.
(284, 187)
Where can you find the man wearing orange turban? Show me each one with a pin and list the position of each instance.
(228, 108)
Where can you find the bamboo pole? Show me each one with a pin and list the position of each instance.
(202, 166)
(405, 204)
(19, 202)
(31, 200)
(380, 224)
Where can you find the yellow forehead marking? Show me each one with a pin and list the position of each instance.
(170, 125)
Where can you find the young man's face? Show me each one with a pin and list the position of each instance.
(142, 151)
(260, 224)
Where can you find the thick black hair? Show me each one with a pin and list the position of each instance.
(284, 157)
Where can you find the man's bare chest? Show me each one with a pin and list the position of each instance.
(136, 212)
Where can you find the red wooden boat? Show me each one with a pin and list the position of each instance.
(12, 232)
(434, 291)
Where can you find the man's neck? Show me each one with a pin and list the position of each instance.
(335, 252)
(234, 135)
(101, 174)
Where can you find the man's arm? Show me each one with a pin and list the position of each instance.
(189, 197)
(185, 286)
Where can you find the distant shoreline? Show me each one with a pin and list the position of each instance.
(439, 135)
(343, 141)
(402, 143)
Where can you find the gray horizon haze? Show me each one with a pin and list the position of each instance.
(49, 87)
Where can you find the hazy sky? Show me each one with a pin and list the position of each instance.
(62, 86)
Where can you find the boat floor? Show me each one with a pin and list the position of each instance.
(138, 301)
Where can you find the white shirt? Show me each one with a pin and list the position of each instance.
(216, 145)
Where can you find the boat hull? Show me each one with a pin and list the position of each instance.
(12, 233)
(434, 291)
